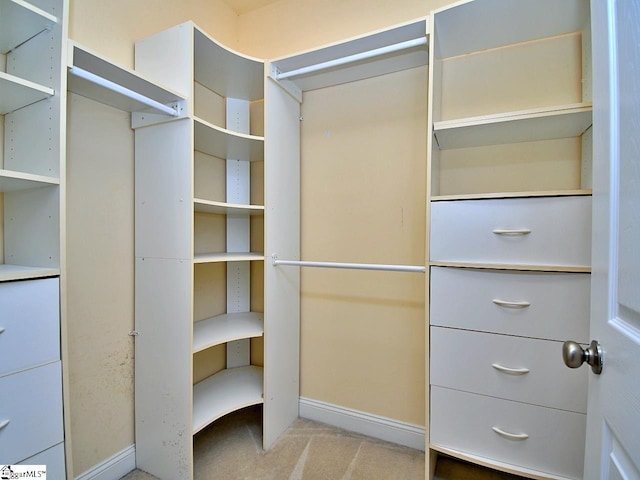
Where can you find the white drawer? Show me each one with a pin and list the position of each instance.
(493, 301)
(469, 231)
(484, 363)
(465, 422)
(30, 318)
(53, 458)
(32, 405)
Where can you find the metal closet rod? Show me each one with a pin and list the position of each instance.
(114, 87)
(351, 266)
(353, 58)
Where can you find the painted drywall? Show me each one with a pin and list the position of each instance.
(112, 27)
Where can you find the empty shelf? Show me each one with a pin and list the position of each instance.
(222, 143)
(11, 181)
(226, 328)
(20, 21)
(225, 392)
(223, 208)
(16, 92)
(227, 257)
(21, 272)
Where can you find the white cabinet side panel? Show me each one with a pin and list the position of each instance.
(163, 367)
(163, 190)
(282, 285)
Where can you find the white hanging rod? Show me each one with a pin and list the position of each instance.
(114, 87)
(353, 58)
(352, 266)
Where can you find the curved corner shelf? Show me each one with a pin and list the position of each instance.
(20, 21)
(222, 143)
(223, 208)
(16, 92)
(227, 257)
(11, 181)
(226, 328)
(233, 389)
(228, 73)
(511, 127)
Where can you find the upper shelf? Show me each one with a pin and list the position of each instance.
(223, 208)
(119, 87)
(469, 27)
(222, 143)
(228, 73)
(523, 126)
(16, 93)
(226, 328)
(21, 272)
(350, 61)
(20, 21)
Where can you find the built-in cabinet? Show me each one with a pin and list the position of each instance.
(510, 233)
(32, 139)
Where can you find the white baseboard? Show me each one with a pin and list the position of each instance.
(375, 426)
(112, 468)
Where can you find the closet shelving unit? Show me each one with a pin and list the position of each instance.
(510, 227)
(32, 117)
(202, 303)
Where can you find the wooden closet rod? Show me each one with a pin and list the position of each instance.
(353, 58)
(352, 266)
(114, 87)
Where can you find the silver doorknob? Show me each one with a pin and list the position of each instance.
(574, 355)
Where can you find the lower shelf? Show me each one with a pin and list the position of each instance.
(22, 272)
(225, 392)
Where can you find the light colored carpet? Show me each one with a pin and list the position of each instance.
(231, 449)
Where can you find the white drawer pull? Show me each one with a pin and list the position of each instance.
(510, 436)
(510, 371)
(512, 231)
(4, 423)
(506, 304)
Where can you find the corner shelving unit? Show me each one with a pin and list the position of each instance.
(200, 229)
(510, 227)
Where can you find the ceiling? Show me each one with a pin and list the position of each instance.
(244, 6)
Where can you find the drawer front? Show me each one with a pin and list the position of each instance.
(515, 368)
(32, 405)
(30, 318)
(553, 306)
(486, 231)
(465, 422)
(53, 458)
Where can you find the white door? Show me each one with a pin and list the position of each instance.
(613, 418)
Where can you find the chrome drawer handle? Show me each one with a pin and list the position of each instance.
(4, 424)
(510, 371)
(510, 436)
(506, 304)
(512, 231)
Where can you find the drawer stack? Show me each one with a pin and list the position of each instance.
(499, 312)
(31, 427)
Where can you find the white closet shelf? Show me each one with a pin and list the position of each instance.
(226, 72)
(16, 92)
(226, 328)
(227, 257)
(470, 27)
(20, 21)
(362, 69)
(500, 266)
(222, 143)
(546, 123)
(88, 61)
(226, 392)
(223, 208)
(23, 272)
(537, 193)
(11, 181)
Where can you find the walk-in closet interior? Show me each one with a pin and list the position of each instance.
(215, 205)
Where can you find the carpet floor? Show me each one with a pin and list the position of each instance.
(231, 449)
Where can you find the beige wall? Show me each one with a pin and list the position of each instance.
(111, 27)
(387, 362)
